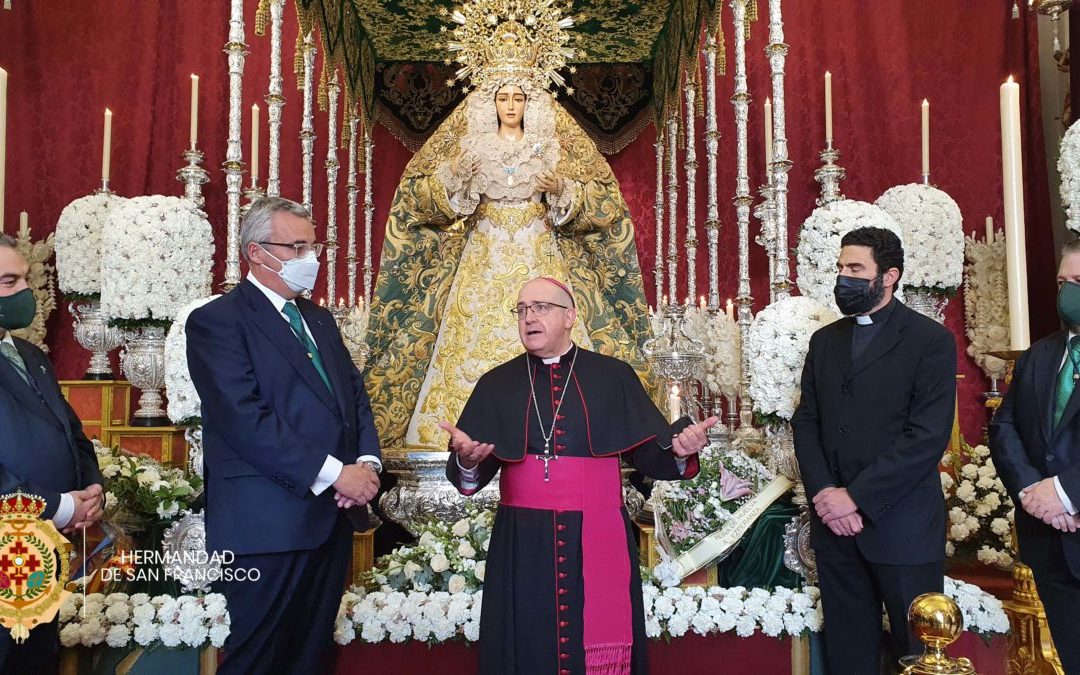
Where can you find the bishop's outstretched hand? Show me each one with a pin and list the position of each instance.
(692, 439)
(470, 453)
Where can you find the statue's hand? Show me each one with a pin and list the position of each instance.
(549, 182)
(465, 166)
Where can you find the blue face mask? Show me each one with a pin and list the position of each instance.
(299, 274)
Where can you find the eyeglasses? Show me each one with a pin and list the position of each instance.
(539, 309)
(301, 248)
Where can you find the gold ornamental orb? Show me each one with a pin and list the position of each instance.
(936, 619)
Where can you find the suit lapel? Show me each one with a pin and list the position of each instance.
(884, 341)
(325, 335)
(1045, 365)
(37, 372)
(841, 345)
(274, 326)
(23, 392)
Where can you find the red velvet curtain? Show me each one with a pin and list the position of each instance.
(66, 64)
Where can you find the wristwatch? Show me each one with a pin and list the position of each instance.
(374, 466)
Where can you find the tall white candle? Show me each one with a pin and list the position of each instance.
(3, 140)
(1012, 179)
(925, 136)
(674, 403)
(254, 144)
(828, 106)
(730, 310)
(194, 110)
(989, 230)
(24, 221)
(106, 145)
(768, 135)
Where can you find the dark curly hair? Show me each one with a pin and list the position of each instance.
(884, 244)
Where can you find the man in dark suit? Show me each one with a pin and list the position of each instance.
(43, 450)
(875, 416)
(285, 418)
(1035, 444)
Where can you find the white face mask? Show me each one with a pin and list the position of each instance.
(299, 274)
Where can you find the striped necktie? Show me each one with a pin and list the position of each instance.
(15, 359)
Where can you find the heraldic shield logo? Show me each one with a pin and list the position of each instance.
(34, 565)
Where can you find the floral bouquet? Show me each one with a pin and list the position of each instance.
(446, 557)
(933, 237)
(185, 408)
(980, 512)
(139, 490)
(1069, 168)
(688, 511)
(719, 336)
(78, 244)
(118, 619)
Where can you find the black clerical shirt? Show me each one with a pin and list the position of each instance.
(867, 328)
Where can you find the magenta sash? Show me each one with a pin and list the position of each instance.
(592, 486)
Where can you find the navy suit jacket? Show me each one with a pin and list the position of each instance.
(1027, 448)
(42, 446)
(879, 426)
(269, 421)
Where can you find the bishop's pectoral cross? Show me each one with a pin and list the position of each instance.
(546, 459)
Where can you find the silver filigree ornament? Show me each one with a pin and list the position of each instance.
(184, 546)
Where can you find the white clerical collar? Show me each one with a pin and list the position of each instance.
(7, 338)
(863, 319)
(275, 299)
(555, 359)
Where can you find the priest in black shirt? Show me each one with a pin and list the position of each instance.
(562, 592)
(877, 408)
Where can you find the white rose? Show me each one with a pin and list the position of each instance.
(411, 569)
(439, 563)
(480, 571)
(466, 550)
(461, 527)
(456, 584)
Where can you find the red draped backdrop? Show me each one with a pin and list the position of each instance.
(67, 62)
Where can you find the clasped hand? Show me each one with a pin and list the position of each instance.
(1041, 501)
(838, 511)
(548, 182)
(357, 485)
(89, 507)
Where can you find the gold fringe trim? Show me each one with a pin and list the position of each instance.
(262, 15)
(298, 60)
(323, 96)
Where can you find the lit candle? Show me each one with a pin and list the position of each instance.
(24, 222)
(828, 107)
(701, 302)
(664, 300)
(989, 230)
(3, 140)
(674, 403)
(768, 134)
(106, 145)
(194, 110)
(925, 136)
(254, 144)
(730, 310)
(1012, 179)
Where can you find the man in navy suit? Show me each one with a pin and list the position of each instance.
(878, 395)
(1035, 443)
(43, 450)
(285, 419)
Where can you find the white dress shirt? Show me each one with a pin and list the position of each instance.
(332, 466)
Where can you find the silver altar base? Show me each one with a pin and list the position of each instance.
(143, 363)
(93, 333)
(423, 492)
(185, 542)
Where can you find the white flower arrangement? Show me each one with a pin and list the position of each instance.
(156, 257)
(139, 487)
(446, 557)
(819, 243)
(184, 404)
(1069, 167)
(78, 243)
(720, 337)
(118, 619)
(933, 236)
(980, 512)
(986, 303)
(691, 510)
(776, 348)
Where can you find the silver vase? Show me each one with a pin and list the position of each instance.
(422, 491)
(926, 303)
(94, 334)
(143, 363)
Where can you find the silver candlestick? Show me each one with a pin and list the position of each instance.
(193, 176)
(829, 175)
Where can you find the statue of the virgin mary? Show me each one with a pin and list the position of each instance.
(508, 188)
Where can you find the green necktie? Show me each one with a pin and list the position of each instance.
(16, 360)
(1066, 381)
(293, 312)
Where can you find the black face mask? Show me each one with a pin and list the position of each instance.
(858, 296)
